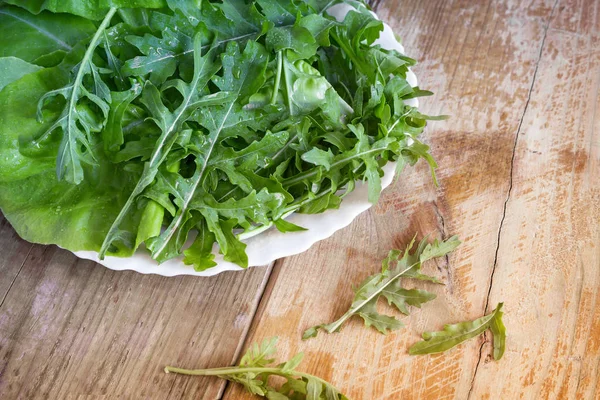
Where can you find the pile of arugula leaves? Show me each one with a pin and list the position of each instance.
(130, 122)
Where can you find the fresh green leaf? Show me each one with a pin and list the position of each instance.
(12, 69)
(112, 135)
(200, 254)
(258, 355)
(211, 117)
(254, 373)
(398, 264)
(400, 297)
(76, 145)
(314, 388)
(30, 37)
(286, 226)
(453, 335)
(271, 395)
(241, 78)
(499, 332)
(92, 9)
(169, 123)
(41, 208)
(372, 318)
(292, 363)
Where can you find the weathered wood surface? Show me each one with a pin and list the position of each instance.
(519, 182)
(71, 328)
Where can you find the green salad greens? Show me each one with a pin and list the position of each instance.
(256, 370)
(153, 122)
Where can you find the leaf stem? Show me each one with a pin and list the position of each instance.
(336, 325)
(87, 57)
(277, 78)
(312, 172)
(89, 53)
(288, 87)
(241, 370)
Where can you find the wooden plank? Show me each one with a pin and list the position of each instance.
(549, 260)
(480, 59)
(72, 328)
(13, 252)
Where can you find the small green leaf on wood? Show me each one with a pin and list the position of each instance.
(453, 335)
(398, 264)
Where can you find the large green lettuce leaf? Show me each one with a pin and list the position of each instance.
(13, 68)
(30, 37)
(41, 209)
(92, 9)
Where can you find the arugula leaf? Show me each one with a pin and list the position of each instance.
(387, 284)
(286, 226)
(499, 332)
(200, 254)
(112, 134)
(70, 154)
(169, 123)
(400, 297)
(254, 373)
(453, 335)
(241, 78)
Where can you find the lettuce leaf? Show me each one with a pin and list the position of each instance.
(39, 207)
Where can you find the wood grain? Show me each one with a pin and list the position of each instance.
(489, 64)
(519, 183)
(549, 255)
(14, 251)
(72, 328)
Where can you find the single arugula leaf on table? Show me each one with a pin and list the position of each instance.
(455, 334)
(395, 266)
(255, 370)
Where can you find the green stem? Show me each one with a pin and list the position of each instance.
(277, 78)
(221, 372)
(310, 173)
(284, 214)
(87, 57)
(337, 324)
(288, 87)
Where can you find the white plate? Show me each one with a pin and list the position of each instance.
(272, 244)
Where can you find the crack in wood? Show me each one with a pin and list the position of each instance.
(16, 276)
(476, 368)
(510, 185)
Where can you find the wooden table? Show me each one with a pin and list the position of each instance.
(519, 182)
